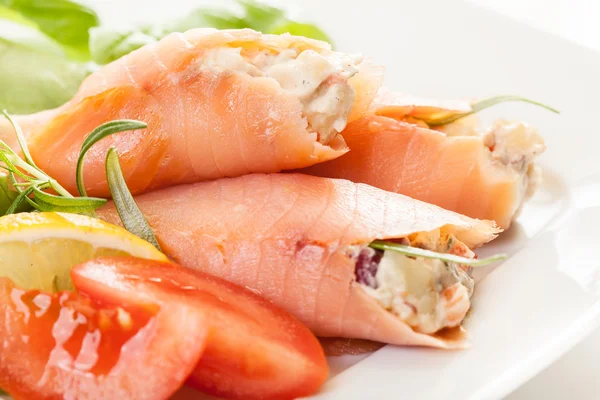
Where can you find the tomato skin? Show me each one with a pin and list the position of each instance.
(255, 350)
(71, 346)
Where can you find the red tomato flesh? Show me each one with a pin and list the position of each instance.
(254, 349)
(75, 346)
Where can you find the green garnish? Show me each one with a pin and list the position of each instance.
(100, 132)
(30, 182)
(417, 252)
(67, 22)
(49, 46)
(482, 105)
(107, 44)
(130, 214)
(44, 46)
(25, 183)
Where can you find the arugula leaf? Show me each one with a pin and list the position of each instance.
(66, 21)
(36, 75)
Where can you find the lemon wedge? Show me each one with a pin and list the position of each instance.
(38, 250)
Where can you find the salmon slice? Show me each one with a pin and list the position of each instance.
(217, 104)
(486, 176)
(294, 239)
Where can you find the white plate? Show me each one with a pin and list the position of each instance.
(546, 297)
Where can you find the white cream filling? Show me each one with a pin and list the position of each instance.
(318, 80)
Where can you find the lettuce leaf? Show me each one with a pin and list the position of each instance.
(301, 29)
(36, 73)
(68, 22)
(107, 44)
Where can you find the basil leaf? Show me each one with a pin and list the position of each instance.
(131, 216)
(98, 134)
(66, 21)
(299, 29)
(417, 252)
(482, 105)
(36, 75)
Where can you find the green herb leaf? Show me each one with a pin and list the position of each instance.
(66, 21)
(131, 216)
(260, 16)
(107, 45)
(36, 74)
(204, 17)
(77, 205)
(482, 105)
(8, 196)
(35, 181)
(417, 252)
(7, 13)
(20, 139)
(299, 29)
(18, 202)
(97, 134)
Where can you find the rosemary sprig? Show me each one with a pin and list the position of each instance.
(97, 134)
(482, 105)
(417, 252)
(31, 183)
(131, 215)
(129, 212)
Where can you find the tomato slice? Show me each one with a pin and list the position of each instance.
(76, 346)
(255, 350)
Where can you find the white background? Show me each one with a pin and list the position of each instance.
(574, 375)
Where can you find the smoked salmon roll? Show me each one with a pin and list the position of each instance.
(313, 246)
(217, 104)
(482, 173)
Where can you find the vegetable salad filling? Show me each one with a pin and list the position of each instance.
(428, 294)
(318, 80)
